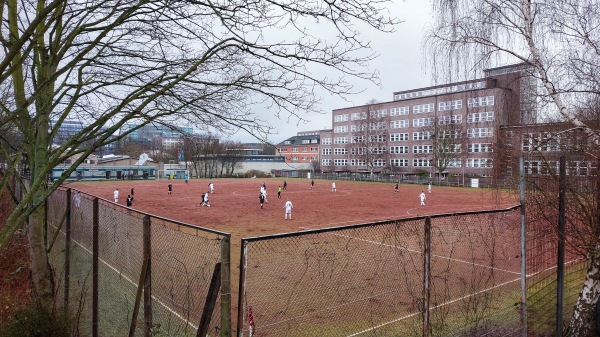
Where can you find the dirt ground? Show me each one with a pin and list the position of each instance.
(235, 204)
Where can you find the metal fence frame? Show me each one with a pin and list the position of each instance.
(143, 308)
(427, 225)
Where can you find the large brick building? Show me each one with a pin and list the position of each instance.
(440, 130)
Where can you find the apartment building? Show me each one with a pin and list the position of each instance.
(302, 148)
(440, 130)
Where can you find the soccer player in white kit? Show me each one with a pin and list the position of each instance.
(116, 195)
(288, 209)
(422, 196)
(429, 188)
(333, 186)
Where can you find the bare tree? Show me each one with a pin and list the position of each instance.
(369, 138)
(447, 138)
(110, 63)
(560, 42)
(231, 157)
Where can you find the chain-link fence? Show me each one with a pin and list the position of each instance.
(554, 279)
(447, 275)
(122, 272)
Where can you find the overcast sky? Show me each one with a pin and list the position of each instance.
(400, 67)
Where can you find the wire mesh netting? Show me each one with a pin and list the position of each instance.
(369, 280)
(183, 259)
(542, 208)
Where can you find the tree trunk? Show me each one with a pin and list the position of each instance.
(583, 319)
(40, 268)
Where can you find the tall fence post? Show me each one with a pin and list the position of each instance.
(596, 234)
(241, 290)
(225, 287)
(95, 265)
(560, 269)
(426, 276)
(67, 253)
(148, 279)
(523, 248)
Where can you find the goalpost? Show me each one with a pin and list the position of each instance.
(171, 174)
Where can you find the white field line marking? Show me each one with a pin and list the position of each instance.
(135, 285)
(453, 301)
(433, 255)
(434, 307)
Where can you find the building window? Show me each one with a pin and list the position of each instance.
(418, 122)
(326, 152)
(479, 147)
(340, 162)
(579, 168)
(480, 117)
(400, 124)
(359, 151)
(294, 149)
(357, 162)
(326, 162)
(326, 141)
(340, 150)
(423, 149)
(421, 135)
(480, 101)
(421, 162)
(479, 132)
(423, 108)
(379, 162)
(314, 149)
(358, 115)
(479, 162)
(398, 149)
(377, 150)
(452, 119)
(304, 149)
(399, 162)
(282, 150)
(404, 110)
(398, 137)
(450, 105)
(378, 126)
(377, 138)
(340, 140)
(449, 134)
(378, 113)
(340, 129)
(341, 118)
(454, 162)
(294, 158)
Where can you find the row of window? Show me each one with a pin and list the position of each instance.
(418, 109)
(418, 122)
(441, 91)
(295, 149)
(453, 148)
(471, 163)
(575, 168)
(398, 137)
(294, 158)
